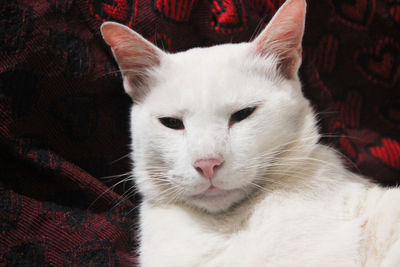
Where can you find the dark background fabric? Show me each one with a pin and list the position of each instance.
(64, 115)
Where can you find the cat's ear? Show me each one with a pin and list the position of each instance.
(134, 54)
(282, 37)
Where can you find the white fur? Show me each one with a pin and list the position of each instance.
(284, 199)
(306, 209)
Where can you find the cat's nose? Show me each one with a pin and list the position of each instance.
(207, 167)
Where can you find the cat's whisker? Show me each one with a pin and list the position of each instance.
(260, 187)
(293, 164)
(125, 196)
(111, 188)
(285, 167)
(275, 152)
(121, 158)
(264, 158)
(292, 175)
(117, 176)
(305, 160)
(169, 195)
(132, 210)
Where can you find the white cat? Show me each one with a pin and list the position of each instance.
(227, 159)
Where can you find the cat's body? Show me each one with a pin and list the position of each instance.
(228, 162)
(344, 224)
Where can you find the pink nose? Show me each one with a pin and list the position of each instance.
(207, 166)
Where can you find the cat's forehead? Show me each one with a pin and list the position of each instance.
(215, 54)
(206, 66)
(223, 75)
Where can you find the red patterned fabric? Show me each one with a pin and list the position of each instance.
(64, 116)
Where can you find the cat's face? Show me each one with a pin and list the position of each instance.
(206, 90)
(208, 123)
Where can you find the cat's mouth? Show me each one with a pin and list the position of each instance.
(214, 192)
(215, 199)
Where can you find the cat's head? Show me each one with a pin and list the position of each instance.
(208, 123)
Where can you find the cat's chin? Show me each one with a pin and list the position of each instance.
(216, 200)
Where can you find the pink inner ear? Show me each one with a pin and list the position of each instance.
(134, 54)
(126, 43)
(114, 34)
(283, 36)
(285, 30)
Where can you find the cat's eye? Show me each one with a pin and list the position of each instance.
(241, 115)
(172, 123)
